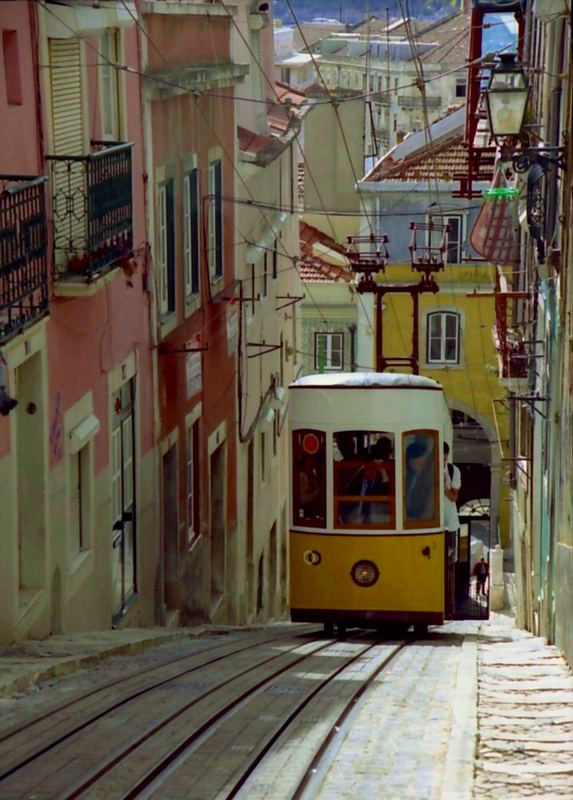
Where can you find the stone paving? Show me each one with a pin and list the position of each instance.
(525, 717)
(511, 731)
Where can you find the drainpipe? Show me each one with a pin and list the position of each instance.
(352, 331)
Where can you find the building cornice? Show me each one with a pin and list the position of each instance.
(161, 83)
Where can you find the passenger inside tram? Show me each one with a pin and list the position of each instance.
(420, 478)
(362, 469)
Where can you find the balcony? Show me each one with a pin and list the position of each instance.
(417, 101)
(23, 255)
(92, 211)
(510, 333)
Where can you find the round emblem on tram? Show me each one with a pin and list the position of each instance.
(312, 558)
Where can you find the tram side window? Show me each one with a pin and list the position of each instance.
(421, 502)
(363, 479)
(309, 478)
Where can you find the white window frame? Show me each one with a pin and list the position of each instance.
(439, 221)
(442, 338)
(330, 337)
(191, 233)
(109, 46)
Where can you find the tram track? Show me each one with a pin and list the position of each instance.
(187, 757)
(333, 731)
(175, 745)
(51, 716)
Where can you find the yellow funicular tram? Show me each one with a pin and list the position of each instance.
(367, 543)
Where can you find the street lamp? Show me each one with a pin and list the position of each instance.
(506, 96)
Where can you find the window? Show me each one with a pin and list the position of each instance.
(460, 87)
(192, 481)
(12, 67)
(328, 351)
(276, 432)
(421, 500)
(191, 232)
(443, 338)
(265, 276)
(275, 260)
(263, 457)
(364, 485)
(79, 464)
(454, 236)
(257, 65)
(215, 222)
(309, 478)
(109, 76)
(166, 249)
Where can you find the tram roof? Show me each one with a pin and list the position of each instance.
(386, 380)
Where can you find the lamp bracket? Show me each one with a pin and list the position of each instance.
(545, 157)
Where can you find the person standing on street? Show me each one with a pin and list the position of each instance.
(481, 572)
(452, 485)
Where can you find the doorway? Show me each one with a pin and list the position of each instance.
(31, 526)
(124, 583)
(170, 527)
(474, 542)
(217, 527)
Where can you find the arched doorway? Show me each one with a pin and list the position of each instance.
(478, 502)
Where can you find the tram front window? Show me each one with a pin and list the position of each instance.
(420, 479)
(309, 478)
(363, 479)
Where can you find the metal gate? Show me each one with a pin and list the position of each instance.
(474, 541)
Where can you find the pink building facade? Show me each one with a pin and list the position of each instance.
(78, 501)
(189, 81)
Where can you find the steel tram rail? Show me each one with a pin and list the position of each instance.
(156, 776)
(123, 753)
(292, 718)
(52, 713)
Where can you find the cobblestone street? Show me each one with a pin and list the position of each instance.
(474, 711)
(525, 717)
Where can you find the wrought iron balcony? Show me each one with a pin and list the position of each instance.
(23, 256)
(92, 210)
(417, 101)
(510, 332)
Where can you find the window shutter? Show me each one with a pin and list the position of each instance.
(66, 88)
(170, 220)
(162, 249)
(195, 231)
(68, 140)
(257, 65)
(218, 219)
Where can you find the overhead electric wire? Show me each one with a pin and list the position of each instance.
(272, 85)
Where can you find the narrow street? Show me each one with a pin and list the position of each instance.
(472, 710)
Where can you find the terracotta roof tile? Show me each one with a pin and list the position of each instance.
(312, 268)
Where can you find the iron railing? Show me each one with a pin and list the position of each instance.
(419, 101)
(512, 315)
(92, 209)
(23, 253)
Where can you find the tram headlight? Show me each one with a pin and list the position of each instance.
(365, 573)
